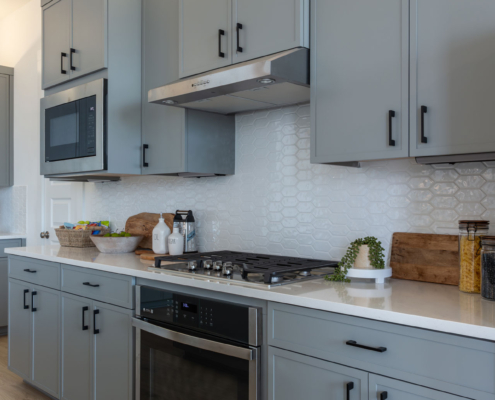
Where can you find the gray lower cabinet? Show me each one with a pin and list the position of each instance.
(6, 126)
(4, 293)
(34, 335)
(391, 389)
(359, 86)
(452, 64)
(97, 354)
(293, 376)
(178, 141)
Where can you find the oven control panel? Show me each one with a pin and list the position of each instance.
(212, 316)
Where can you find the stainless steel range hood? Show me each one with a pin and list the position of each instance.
(276, 80)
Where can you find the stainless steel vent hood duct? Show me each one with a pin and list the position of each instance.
(272, 81)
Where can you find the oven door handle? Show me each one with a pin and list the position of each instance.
(193, 341)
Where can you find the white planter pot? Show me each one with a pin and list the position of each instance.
(362, 259)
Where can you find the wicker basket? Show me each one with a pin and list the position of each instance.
(80, 238)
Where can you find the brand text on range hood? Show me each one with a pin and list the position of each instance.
(267, 82)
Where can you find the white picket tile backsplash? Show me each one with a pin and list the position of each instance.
(277, 202)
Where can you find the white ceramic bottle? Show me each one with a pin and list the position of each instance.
(160, 235)
(175, 243)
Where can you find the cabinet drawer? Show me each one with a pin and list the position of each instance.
(5, 244)
(102, 286)
(445, 362)
(43, 273)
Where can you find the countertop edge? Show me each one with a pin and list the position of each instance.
(411, 320)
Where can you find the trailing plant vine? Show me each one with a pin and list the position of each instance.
(376, 257)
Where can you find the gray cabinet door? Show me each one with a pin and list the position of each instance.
(399, 390)
(452, 64)
(200, 39)
(56, 42)
(163, 127)
(5, 133)
(20, 328)
(4, 292)
(77, 332)
(359, 64)
(113, 355)
(268, 26)
(296, 377)
(89, 36)
(45, 311)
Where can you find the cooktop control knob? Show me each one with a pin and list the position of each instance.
(228, 269)
(192, 265)
(208, 264)
(217, 265)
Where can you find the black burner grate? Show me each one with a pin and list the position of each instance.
(251, 263)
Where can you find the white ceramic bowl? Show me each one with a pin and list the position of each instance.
(116, 245)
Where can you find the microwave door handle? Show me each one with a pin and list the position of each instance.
(193, 341)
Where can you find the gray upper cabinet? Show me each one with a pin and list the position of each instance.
(452, 64)
(262, 27)
(297, 377)
(386, 388)
(56, 42)
(89, 36)
(359, 80)
(205, 35)
(177, 141)
(74, 39)
(6, 126)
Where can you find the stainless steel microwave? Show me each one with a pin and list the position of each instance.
(73, 130)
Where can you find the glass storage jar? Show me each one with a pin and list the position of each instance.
(488, 268)
(470, 234)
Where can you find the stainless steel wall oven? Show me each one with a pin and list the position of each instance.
(195, 348)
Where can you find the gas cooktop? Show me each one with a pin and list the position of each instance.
(249, 268)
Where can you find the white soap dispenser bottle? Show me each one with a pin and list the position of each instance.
(160, 235)
(176, 243)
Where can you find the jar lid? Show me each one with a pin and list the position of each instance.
(488, 240)
(465, 223)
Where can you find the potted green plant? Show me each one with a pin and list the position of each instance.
(368, 249)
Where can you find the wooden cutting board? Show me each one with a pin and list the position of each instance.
(425, 257)
(144, 223)
(151, 256)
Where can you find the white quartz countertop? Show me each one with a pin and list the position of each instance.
(6, 236)
(424, 305)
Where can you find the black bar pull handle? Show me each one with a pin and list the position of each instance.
(90, 284)
(33, 309)
(238, 28)
(26, 291)
(349, 387)
(424, 110)
(383, 395)
(31, 271)
(391, 114)
(62, 70)
(353, 343)
(145, 147)
(221, 33)
(72, 52)
(84, 327)
(95, 313)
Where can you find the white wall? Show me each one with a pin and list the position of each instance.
(20, 48)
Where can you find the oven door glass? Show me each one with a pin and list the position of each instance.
(177, 369)
(70, 130)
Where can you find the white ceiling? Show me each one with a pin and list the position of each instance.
(8, 6)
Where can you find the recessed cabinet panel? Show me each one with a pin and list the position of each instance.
(386, 388)
(5, 131)
(89, 36)
(203, 46)
(4, 293)
(359, 88)
(45, 311)
(20, 328)
(56, 39)
(452, 64)
(77, 329)
(297, 377)
(268, 27)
